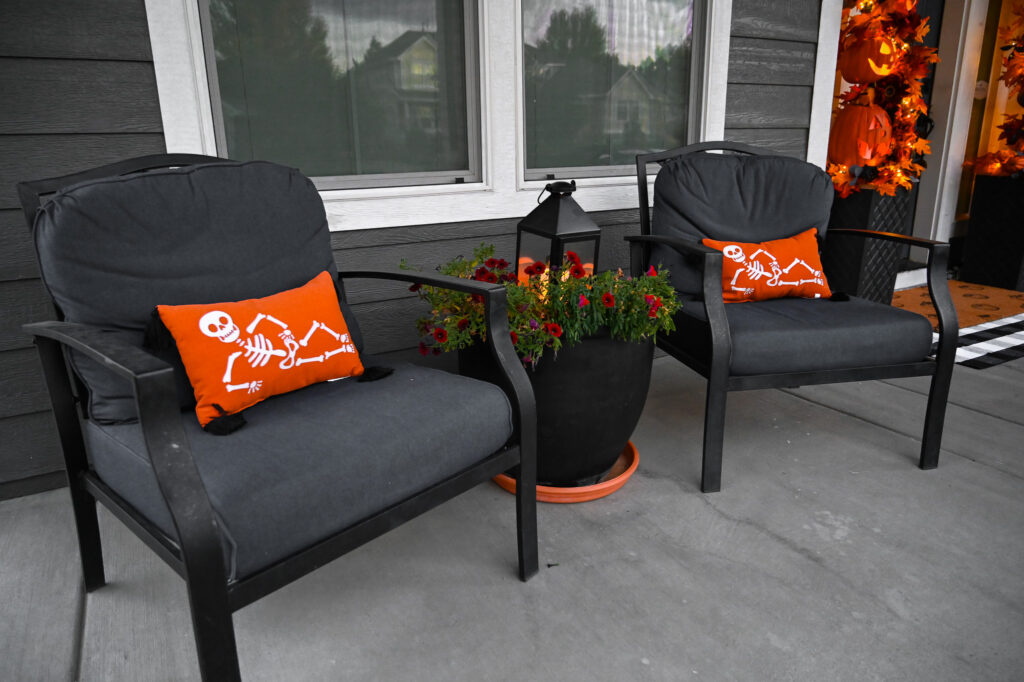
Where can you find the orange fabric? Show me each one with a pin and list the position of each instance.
(237, 354)
(777, 269)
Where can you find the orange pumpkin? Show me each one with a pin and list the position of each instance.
(861, 136)
(867, 60)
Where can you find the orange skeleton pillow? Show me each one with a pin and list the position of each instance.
(776, 269)
(237, 354)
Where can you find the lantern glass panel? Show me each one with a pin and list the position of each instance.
(586, 251)
(533, 248)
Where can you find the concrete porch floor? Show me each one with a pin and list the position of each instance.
(827, 556)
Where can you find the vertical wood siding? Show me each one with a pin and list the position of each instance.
(771, 73)
(78, 91)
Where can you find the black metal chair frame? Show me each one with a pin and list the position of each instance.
(197, 553)
(716, 369)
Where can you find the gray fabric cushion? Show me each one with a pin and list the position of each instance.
(734, 198)
(802, 335)
(315, 461)
(110, 250)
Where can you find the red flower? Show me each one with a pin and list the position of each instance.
(553, 329)
(416, 287)
(515, 337)
(463, 323)
(423, 349)
(481, 273)
(490, 277)
(577, 271)
(608, 300)
(651, 272)
(501, 264)
(573, 257)
(583, 301)
(491, 262)
(539, 268)
(530, 270)
(653, 312)
(441, 334)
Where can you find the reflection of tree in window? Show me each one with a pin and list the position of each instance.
(286, 97)
(584, 107)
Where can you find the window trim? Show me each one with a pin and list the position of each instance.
(503, 192)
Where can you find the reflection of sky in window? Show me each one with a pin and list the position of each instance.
(634, 27)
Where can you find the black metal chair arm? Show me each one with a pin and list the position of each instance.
(160, 418)
(124, 359)
(684, 246)
(891, 236)
(468, 286)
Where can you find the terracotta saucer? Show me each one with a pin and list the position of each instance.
(612, 481)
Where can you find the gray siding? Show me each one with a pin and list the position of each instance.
(78, 91)
(771, 73)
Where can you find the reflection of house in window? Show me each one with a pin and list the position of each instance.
(403, 77)
(632, 105)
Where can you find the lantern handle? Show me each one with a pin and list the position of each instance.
(561, 188)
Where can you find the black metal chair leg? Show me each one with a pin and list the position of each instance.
(90, 548)
(526, 522)
(714, 434)
(934, 418)
(214, 632)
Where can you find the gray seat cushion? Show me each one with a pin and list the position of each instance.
(803, 335)
(734, 198)
(313, 462)
(198, 234)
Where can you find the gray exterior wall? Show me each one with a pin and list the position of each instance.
(772, 55)
(79, 91)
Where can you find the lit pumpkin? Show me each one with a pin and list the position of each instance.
(861, 136)
(867, 60)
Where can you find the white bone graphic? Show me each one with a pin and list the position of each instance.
(258, 349)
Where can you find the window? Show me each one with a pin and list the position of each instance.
(351, 92)
(483, 126)
(603, 82)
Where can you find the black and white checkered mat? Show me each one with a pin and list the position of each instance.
(990, 343)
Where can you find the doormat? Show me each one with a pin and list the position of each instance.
(991, 321)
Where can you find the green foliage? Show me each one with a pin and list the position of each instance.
(548, 311)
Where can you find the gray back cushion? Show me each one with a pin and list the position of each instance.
(110, 250)
(735, 198)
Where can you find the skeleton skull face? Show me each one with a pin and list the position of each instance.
(733, 252)
(219, 325)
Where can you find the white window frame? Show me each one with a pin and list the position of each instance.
(187, 114)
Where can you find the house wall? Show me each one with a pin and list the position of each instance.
(771, 73)
(79, 91)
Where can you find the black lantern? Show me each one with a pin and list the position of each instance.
(556, 226)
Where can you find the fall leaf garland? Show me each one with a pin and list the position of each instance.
(898, 92)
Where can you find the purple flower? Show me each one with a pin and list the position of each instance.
(534, 324)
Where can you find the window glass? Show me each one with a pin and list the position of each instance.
(604, 81)
(352, 92)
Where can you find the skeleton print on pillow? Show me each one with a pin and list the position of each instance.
(237, 354)
(777, 269)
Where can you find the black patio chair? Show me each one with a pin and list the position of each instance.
(748, 195)
(316, 472)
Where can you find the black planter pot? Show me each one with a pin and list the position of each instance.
(867, 267)
(994, 248)
(589, 400)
